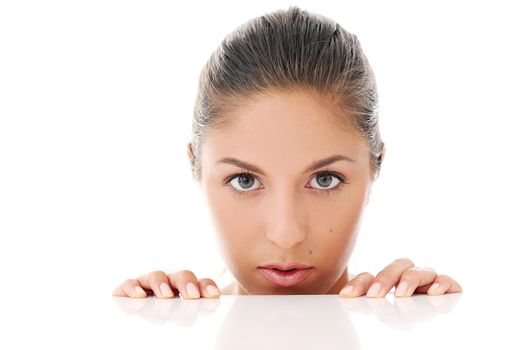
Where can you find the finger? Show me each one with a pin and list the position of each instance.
(412, 278)
(388, 277)
(158, 282)
(357, 286)
(442, 284)
(130, 288)
(208, 288)
(118, 292)
(186, 282)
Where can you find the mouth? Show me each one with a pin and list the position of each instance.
(285, 276)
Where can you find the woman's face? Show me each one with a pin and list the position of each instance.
(284, 211)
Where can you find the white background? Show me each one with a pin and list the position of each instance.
(96, 102)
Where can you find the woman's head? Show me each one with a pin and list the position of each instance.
(282, 92)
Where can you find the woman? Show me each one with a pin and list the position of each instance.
(286, 148)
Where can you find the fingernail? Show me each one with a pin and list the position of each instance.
(401, 288)
(434, 288)
(374, 290)
(347, 290)
(140, 291)
(192, 290)
(166, 290)
(212, 290)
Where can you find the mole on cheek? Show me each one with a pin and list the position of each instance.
(331, 230)
(310, 252)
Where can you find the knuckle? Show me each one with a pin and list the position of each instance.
(129, 282)
(445, 278)
(418, 270)
(385, 275)
(382, 279)
(410, 274)
(156, 275)
(428, 269)
(172, 276)
(404, 261)
(186, 275)
(364, 275)
(206, 281)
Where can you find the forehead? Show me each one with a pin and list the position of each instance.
(282, 128)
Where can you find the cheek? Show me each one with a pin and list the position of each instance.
(235, 223)
(336, 228)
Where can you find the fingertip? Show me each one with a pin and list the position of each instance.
(165, 291)
(118, 292)
(139, 292)
(192, 291)
(212, 291)
(346, 295)
(375, 291)
(347, 292)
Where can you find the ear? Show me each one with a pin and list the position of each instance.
(368, 191)
(383, 152)
(190, 153)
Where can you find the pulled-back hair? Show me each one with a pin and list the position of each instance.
(288, 50)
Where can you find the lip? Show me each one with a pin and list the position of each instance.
(285, 267)
(284, 278)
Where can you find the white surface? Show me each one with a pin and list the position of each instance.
(451, 321)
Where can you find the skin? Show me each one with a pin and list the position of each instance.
(283, 213)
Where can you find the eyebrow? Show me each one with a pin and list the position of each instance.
(315, 165)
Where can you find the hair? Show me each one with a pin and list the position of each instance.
(288, 50)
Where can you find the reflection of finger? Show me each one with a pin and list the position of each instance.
(388, 313)
(405, 312)
(444, 303)
(388, 277)
(444, 284)
(131, 306)
(208, 306)
(357, 286)
(415, 309)
(413, 278)
(358, 305)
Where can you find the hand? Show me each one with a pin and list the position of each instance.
(407, 278)
(168, 286)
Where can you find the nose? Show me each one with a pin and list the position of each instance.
(285, 228)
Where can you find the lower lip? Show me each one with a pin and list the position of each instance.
(283, 278)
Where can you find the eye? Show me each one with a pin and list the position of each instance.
(326, 181)
(242, 182)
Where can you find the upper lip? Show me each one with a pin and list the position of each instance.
(285, 266)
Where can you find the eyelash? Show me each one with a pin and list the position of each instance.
(327, 192)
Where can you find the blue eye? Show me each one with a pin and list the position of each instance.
(242, 183)
(325, 179)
